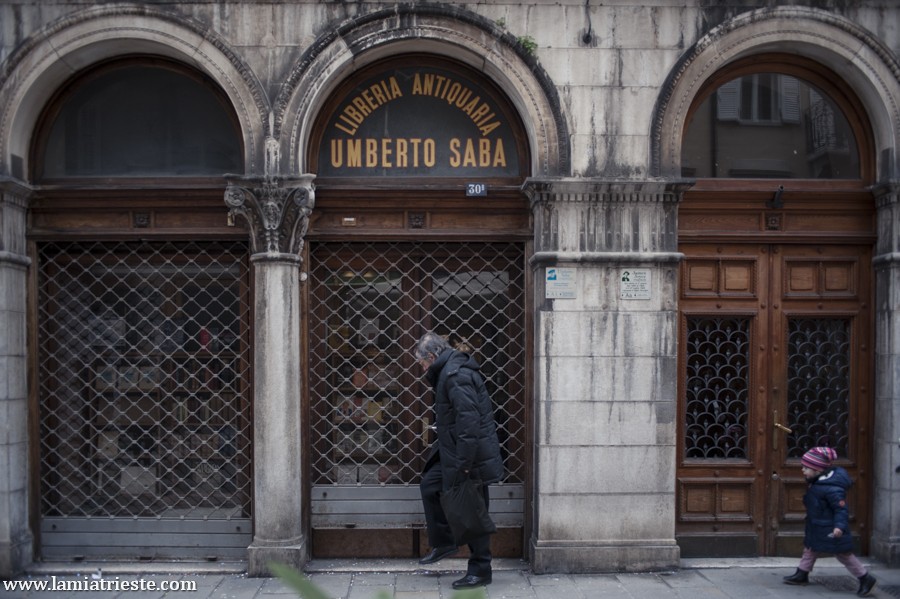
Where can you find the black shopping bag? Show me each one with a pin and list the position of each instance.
(466, 513)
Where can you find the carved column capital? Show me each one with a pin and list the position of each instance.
(276, 208)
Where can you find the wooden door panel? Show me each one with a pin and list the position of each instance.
(807, 368)
(720, 491)
(824, 328)
(722, 277)
(721, 502)
(815, 278)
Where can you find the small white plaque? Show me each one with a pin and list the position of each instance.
(560, 283)
(634, 283)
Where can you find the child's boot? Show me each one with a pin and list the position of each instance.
(866, 584)
(799, 577)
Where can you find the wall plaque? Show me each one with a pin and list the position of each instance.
(634, 283)
(559, 283)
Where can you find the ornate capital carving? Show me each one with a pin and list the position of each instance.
(276, 208)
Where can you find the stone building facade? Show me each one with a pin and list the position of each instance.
(669, 230)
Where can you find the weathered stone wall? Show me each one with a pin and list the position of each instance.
(605, 376)
(608, 62)
(611, 80)
(886, 516)
(15, 535)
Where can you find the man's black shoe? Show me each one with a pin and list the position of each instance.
(437, 554)
(470, 581)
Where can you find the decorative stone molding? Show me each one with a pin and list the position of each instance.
(886, 193)
(14, 192)
(540, 191)
(443, 29)
(277, 210)
(14, 196)
(579, 220)
(887, 204)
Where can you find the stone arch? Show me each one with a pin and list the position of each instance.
(441, 30)
(44, 61)
(865, 63)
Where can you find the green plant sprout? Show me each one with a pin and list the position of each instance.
(527, 42)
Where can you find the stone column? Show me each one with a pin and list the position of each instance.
(277, 211)
(605, 377)
(15, 536)
(886, 494)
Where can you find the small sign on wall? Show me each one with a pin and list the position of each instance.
(559, 283)
(634, 283)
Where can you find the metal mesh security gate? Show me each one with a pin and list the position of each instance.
(144, 387)
(370, 408)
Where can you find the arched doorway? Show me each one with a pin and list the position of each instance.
(142, 318)
(419, 225)
(776, 324)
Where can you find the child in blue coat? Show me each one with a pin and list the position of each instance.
(827, 519)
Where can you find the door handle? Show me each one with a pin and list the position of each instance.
(780, 427)
(426, 426)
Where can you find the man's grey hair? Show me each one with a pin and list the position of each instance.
(430, 344)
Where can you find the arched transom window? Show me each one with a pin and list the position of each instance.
(147, 118)
(772, 122)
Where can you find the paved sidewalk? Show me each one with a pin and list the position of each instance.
(404, 579)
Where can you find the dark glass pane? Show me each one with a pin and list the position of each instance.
(770, 126)
(765, 94)
(747, 87)
(142, 121)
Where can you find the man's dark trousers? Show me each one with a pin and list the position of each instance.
(439, 534)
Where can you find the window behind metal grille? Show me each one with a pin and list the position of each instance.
(144, 381)
(819, 389)
(369, 303)
(717, 404)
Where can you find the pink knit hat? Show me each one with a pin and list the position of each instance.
(819, 458)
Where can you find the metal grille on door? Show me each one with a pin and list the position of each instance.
(371, 410)
(716, 393)
(144, 393)
(818, 384)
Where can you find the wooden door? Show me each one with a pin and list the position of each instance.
(775, 358)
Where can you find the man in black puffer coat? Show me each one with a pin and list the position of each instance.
(466, 447)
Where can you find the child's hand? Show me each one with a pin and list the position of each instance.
(838, 533)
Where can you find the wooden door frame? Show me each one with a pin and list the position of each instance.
(733, 213)
(103, 212)
(441, 213)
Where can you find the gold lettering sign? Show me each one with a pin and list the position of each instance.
(412, 121)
